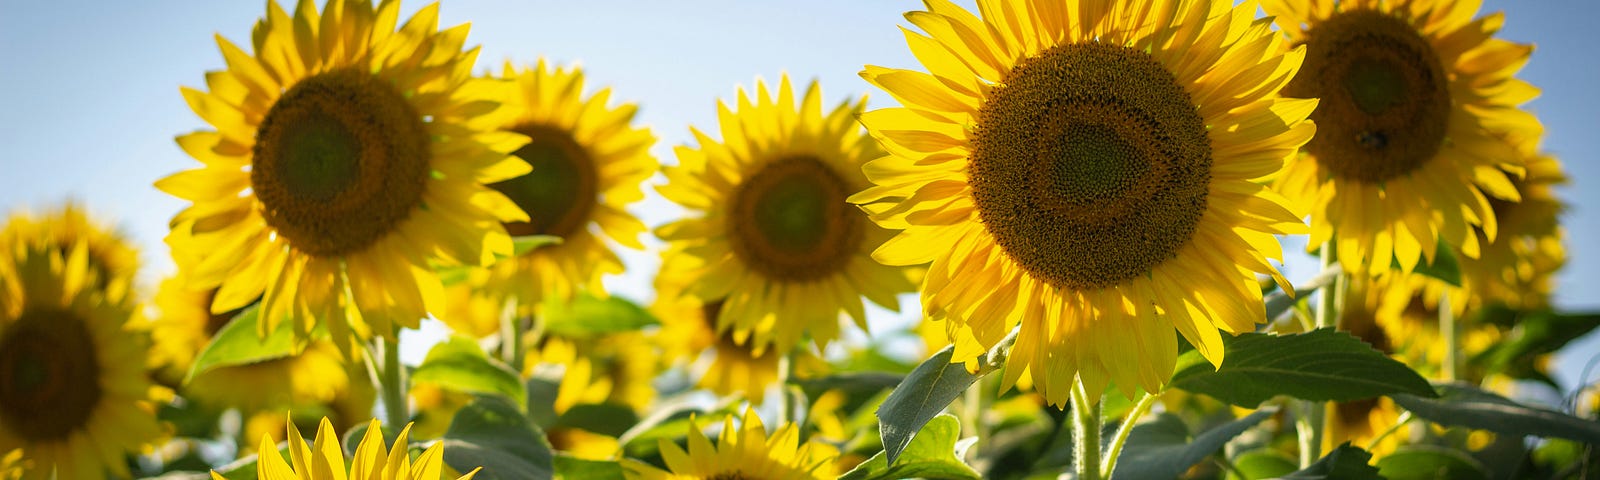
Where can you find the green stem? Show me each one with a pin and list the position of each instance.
(1452, 337)
(1313, 415)
(1108, 465)
(510, 334)
(785, 369)
(972, 416)
(394, 385)
(1086, 450)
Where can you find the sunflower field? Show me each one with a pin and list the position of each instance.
(1074, 239)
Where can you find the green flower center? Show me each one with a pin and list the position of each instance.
(1385, 104)
(49, 375)
(340, 160)
(560, 192)
(790, 220)
(1090, 165)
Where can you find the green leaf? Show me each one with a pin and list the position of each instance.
(1320, 365)
(927, 390)
(1534, 334)
(1429, 462)
(589, 316)
(931, 454)
(573, 468)
(527, 243)
(238, 343)
(1159, 447)
(491, 433)
(608, 419)
(1343, 463)
(1466, 406)
(1262, 464)
(1278, 302)
(1444, 266)
(458, 364)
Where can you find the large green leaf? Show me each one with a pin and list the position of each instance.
(1343, 463)
(573, 468)
(932, 454)
(589, 316)
(1320, 365)
(1262, 464)
(1429, 462)
(491, 433)
(458, 364)
(926, 391)
(239, 343)
(1159, 447)
(1467, 406)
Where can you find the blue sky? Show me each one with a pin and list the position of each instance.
(89, 100)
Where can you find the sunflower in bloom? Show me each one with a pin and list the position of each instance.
(742, 452)
(348, 159)
(769, 234)
(1519, 267)
(1090, 170)
(324, 458)
(1418, 119)
(74, 393)
(588, 164)
(112, 258)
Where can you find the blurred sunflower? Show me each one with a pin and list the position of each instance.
(1418, 119)
(181, 325)
(1519, 267)
(743, 452)
(1090, 170)
(1362, 421)
(112, 259)
(689, 332)
(13, 465)
(769, 233)
(348, 159)
(324, 458)
(1398, 314)
(75, 395)
(606, 369)
(588, 163)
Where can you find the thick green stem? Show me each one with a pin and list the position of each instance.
(1086, 445)
(1109, 464)
(972, 416)
(1452, 337)
(510, 335)
(1313, 415)
(394, 385)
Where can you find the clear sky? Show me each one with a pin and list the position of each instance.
(89, 100)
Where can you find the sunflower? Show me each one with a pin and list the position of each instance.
(689, 331)
(324, 459)
(13, 465)
(1362, 421)
(588, 164)
(744, 452)
(1418, 120)
(1519, 267)
(348, 159)
(1089, 169)
(112, 257)
(770, 234)
(73, 389)
(607, 369)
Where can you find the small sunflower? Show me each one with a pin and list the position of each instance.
(181, 325)
(689, 331)
(1418, 119)
(770, 234)
(1519, 267)
(324, 458)
(743, 452)
(112, 257)
(75, 394)
(1091, 170)
(1362, 421)
(348, 159)
(588, 164)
